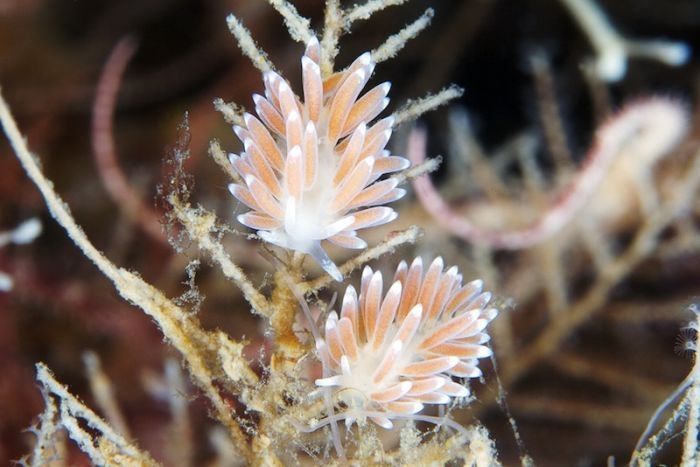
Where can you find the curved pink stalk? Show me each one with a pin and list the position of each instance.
(111, 174)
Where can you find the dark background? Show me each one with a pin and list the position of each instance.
(51, 55)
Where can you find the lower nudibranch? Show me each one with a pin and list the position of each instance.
(387, 355)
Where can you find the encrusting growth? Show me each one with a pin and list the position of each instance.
(388, 356)
(311, 168)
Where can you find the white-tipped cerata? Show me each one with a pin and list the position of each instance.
(312, 162)
(394, 350)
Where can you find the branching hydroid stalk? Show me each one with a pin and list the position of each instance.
(177, 325)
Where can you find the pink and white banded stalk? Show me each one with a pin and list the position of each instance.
(311, 168)
(387, 356)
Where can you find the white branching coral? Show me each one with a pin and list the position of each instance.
(311, 169)
(613, 50)
(389, 355)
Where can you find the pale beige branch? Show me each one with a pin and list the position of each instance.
(247, 44)
(181, 437)
(332, 27)
(179, 327)
(103, 393)
(431, 165)
(44, 450)
(219, 156)
(619, 379)
(415, 108)
(232, 112)
(200, 226)
(71, 409)
(628, 419)
(367, 9)
(299, 27)
(395, 43)
(691, 453)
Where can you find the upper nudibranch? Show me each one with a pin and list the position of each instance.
(311, 168)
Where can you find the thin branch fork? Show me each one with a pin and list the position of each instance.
(71, 409)
(200, 225)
